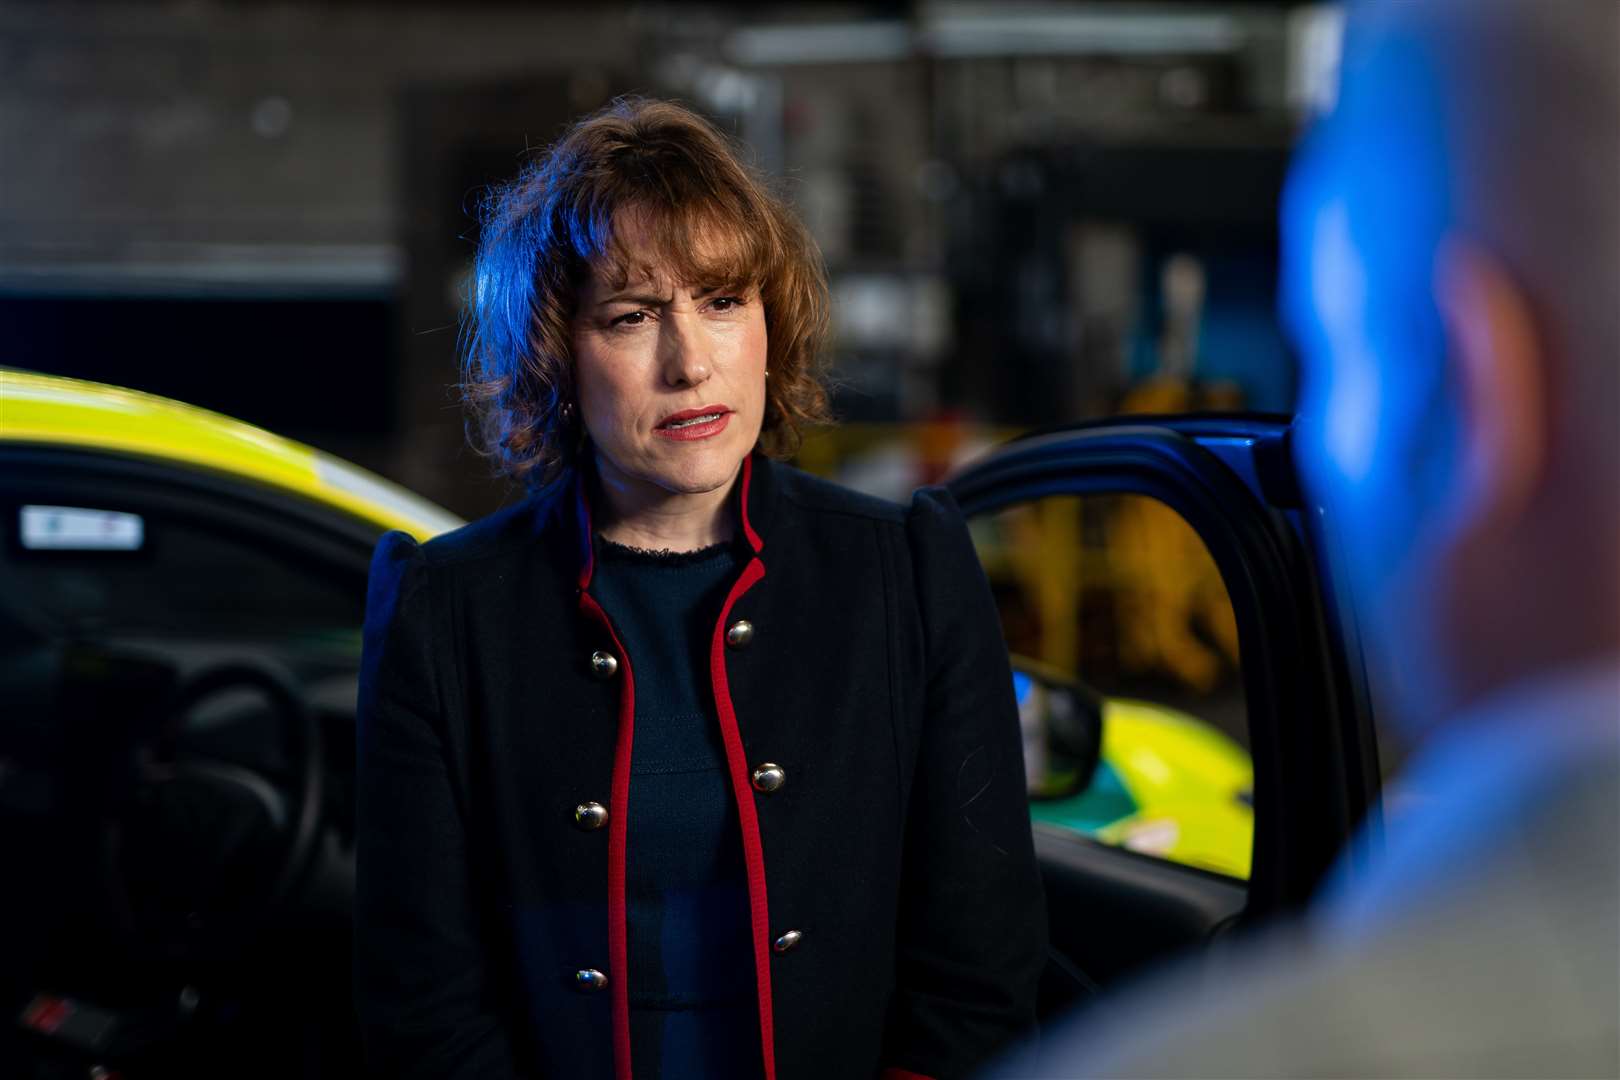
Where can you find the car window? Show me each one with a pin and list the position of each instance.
(98, 571)
(1128, 673)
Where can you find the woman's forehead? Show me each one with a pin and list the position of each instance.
(674, 250)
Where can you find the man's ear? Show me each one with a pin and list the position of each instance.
(1498, 364)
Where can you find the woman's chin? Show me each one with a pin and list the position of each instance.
(689, 470)
(699, 477)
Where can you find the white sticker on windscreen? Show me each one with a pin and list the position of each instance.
(75, 528)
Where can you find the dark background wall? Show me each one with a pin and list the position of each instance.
(265, 208)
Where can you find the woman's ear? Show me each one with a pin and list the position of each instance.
(1499, 370)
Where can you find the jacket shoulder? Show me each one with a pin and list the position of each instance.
(506, 530)
(813, 494)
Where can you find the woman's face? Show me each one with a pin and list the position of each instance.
(670, 377)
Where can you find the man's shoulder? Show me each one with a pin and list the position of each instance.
(1502, 965)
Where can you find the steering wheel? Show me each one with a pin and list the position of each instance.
(205, 850)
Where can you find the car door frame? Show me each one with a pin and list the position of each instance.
(1316, 776)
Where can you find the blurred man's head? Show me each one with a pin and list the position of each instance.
(1452, 276)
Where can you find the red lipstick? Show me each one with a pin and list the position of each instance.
(689, 424)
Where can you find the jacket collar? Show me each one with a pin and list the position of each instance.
(754, 497)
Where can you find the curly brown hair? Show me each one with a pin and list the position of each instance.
(713, 220)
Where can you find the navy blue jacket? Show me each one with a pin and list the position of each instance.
(897, 915)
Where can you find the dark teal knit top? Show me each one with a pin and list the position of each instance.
(693, 1003)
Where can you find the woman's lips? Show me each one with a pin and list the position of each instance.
(701, 425)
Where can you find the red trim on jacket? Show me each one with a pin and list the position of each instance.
(902, 1074)
(587, 549)
(754, 540)
(618, 846)
(618, 814)
(741, 785)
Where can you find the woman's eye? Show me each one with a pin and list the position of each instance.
(630, 318)
(725, 303)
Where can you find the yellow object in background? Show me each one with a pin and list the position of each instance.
(61, 412)
(1192, 786)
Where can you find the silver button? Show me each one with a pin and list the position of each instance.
(590, 816)
(604, 664)
(787, 941)
(589, 981)
(739, 634)
(769, 777)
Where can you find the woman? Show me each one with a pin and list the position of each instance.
(690, 764)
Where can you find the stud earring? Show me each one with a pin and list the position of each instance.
(567, 411)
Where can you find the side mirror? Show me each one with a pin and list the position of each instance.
(1062, 722)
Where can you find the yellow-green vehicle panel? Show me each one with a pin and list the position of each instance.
(1168, 785)
(62, 412)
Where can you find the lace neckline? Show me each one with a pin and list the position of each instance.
(662, 556)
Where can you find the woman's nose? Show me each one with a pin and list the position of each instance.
(686, 355)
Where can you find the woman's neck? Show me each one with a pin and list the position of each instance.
(642, 515)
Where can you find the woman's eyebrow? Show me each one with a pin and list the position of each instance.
(718, 287)
(635, 296)
(639, 295)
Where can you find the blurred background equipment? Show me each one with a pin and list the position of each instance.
(1027, 208)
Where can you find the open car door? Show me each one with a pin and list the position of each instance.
(1197, 723)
